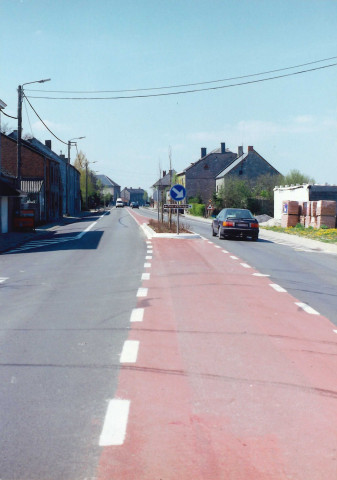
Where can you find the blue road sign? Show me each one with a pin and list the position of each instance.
(178, 192)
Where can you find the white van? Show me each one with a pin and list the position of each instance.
(119, 203)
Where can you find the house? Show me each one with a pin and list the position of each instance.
(199, 177)
(302, 193)
(247, 166)
(9, 198)
(133, 195)
(164, 183)
(109, 187)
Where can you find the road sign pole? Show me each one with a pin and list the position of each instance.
(177, 220)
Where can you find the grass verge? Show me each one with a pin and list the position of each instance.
(164, 227)
(327, 235)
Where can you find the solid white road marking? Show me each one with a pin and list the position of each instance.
(145, 276)
(3, 279)
(276, 287)
(147, 265)
(307, 308)
(234, 258)
(115, 423)
(148, 257)
(129, 352)
(137, 315)
(261, 275)
(142, 292)
(245, 265)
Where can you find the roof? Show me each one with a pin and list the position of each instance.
(165, 181)
(214, 154)
(106, 181)
(134, 190)
(232, 165)
(38, 146)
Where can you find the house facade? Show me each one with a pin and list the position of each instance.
(161, 185)
(247, 166)
(133, 195)
(110, 187)
(199, 177)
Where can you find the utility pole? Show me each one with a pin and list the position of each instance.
(20, 95)
(70, 142)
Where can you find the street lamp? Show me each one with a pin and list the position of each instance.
(20, 94)
(70, 142)
(2, 106)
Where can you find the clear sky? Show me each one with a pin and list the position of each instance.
(94, 45)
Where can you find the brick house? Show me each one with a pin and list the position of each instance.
(247, 166)
(40, 178)
(199, 177)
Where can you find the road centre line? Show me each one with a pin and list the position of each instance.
(145, 276)
(307, 308)
(130, 351)
(115, 423)
(276, 287)
(142, 292)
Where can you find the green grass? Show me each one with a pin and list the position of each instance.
(327, 235)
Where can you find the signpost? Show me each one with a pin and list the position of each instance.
(178, 193)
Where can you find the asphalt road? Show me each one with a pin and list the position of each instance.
(308, 275)
(65, 314)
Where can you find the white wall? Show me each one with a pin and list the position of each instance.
(300, 193)
(4, 214)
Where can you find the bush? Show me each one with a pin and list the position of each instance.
(198, 209)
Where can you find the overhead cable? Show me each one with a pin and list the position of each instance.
(186, 84)
(187, 91)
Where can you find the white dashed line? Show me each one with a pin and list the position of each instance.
(149, 252)
(137, 315)
(335, 331)
(148, 257)
(245, 265)
(147, 265)
(3, 279)
(210, 242)
(261, 275)
(130, 351)
(306, 308)
(234, 258)
(142, 292)
(217, 246)
(115, 423)
(224, 251)
(145, 276)
(276, 287)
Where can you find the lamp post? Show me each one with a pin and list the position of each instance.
(2, 106)
(70, 142)
(20, 95)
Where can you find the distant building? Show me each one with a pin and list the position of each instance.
(133, 195)
(109, 186)
(164, 183)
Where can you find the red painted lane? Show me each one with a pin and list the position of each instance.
(232, 381)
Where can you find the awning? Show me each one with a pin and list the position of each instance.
(31, 186)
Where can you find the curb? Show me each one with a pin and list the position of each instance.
(152, 234)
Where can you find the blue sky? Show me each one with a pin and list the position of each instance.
(90, 45)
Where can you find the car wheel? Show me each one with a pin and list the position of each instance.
(213, 232)
(220, 235)
(255, 238)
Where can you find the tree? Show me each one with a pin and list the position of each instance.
(295, 177)
(88, 183)
(234, 193)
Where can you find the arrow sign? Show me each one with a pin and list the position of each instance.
(178, 192)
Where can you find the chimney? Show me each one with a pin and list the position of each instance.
(223, 147)
(203, 152)
(164, 173)
(250, 149)
(240, 150)
(48, 143)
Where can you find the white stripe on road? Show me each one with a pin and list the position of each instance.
(234, 258)
(130, 351)
(115, 423)
(224, 251)
(261, 275)
(245, 265)
(217, 246)
(142, 292)
(147, 265)
(276, 287)
(137, 315)
(148, 257)
(3, 279)
(145, 276)
(307, 308)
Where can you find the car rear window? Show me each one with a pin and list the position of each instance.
(239, 213)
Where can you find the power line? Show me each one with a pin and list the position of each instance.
(38, 116)
(10, 116)
(188, 91)
(186, 84)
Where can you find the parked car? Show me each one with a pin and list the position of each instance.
(134, 205)
(235, 222)
(119, 203)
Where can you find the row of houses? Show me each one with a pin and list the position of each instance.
(48, 185)
(208, 174)
(127, 194)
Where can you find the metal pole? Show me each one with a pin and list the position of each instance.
(178, 219)
(67, 179)
(86, 185)
(19, 136)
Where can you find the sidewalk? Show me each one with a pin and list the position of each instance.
(14, 239)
